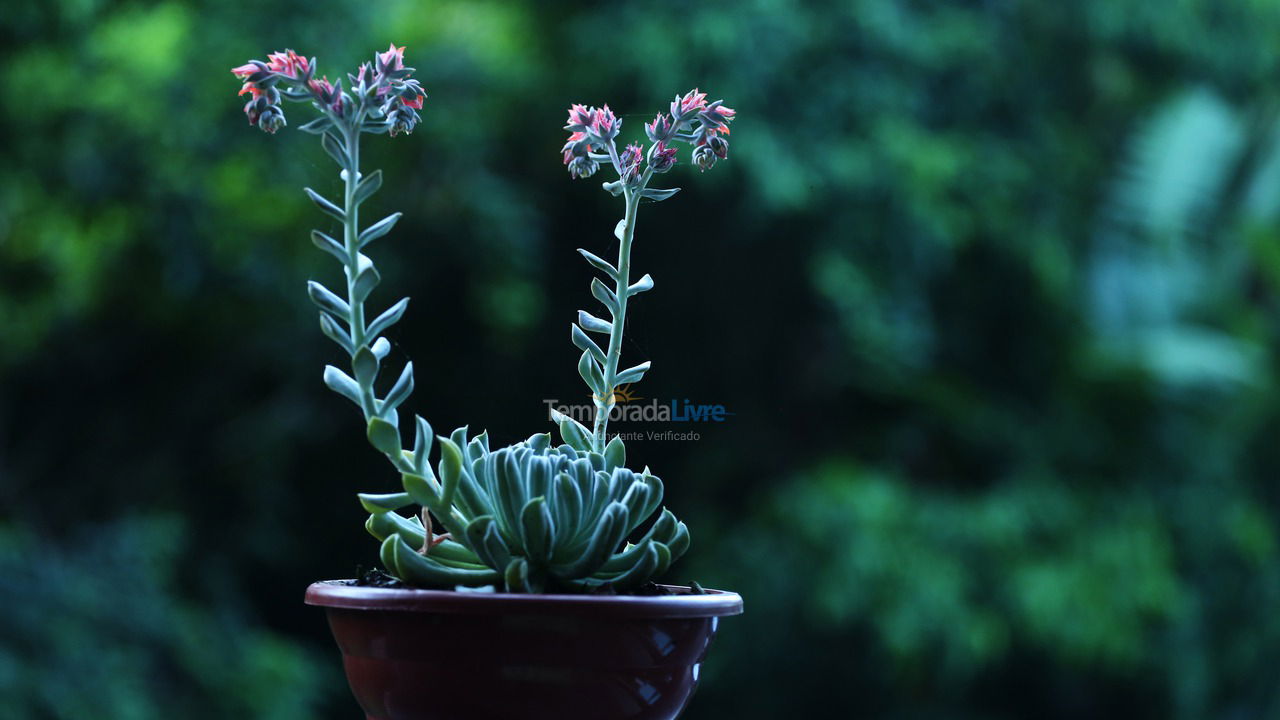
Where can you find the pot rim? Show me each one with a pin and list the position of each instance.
(680, 604)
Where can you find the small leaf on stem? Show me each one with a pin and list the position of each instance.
(592, 323)
(326, 206)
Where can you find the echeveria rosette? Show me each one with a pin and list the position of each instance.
(534, 517)
(691, 119)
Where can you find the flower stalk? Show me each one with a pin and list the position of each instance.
(591, 142)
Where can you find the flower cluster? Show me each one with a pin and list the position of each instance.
(381, 91)
(387, 82)
(590, 129)
(260, 79)
(690, 119)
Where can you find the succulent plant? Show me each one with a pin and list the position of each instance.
(530, 517)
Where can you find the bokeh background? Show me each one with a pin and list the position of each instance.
(992, 289)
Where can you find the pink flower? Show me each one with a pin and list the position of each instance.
(284, 64)
(578, 145)
(580, 117)
(604, 124)
(717, 116)
(327, 93)
(691, 102)
(245, 70)
(322, 88)
(392, 59)
(660, 129)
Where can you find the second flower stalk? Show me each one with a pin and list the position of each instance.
(592, 142)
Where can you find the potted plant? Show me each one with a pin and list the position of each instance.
(531, 603)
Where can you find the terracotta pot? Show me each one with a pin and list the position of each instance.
(444, 655)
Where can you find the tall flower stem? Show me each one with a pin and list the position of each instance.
(351, 243)
(604, 406)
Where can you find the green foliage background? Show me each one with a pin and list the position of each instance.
(991, 288)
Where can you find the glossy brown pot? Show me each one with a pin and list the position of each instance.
(444, 655)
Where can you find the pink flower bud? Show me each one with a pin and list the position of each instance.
(582, 167)
(661, 157)
(704, 157)
(719, 145)
(630, 159)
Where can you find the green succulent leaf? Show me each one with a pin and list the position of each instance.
(368, 186)
(645, 565)
(600, 264)
(325, 206)
(574, 433)
(454, 554)
(537, 530)
(637, 501)
(593, 323)
(483, 537)
(400, 390)
(604, 295)
(378, 229)
(384, 436)
(329, 245)
(389, 317)
(450, 469)
(641, 285)
(680, 542)
(633, 374)
(367, 278)
(661, 531)
(421, 570)
(382, 525)
(327, 300)
(657, 194)
(608, 532)
(423, 490)
(334, 332)
(478, 447)
(378, 504)
(592, 374)
(341, 383)
(583, 342)
(511, 497)
(516, 576)
(615, 454)
(380, 348)
(334, 147)
(317, 126)
(365, 365)
(422, 439)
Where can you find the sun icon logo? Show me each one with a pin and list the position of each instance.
(623, 394)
